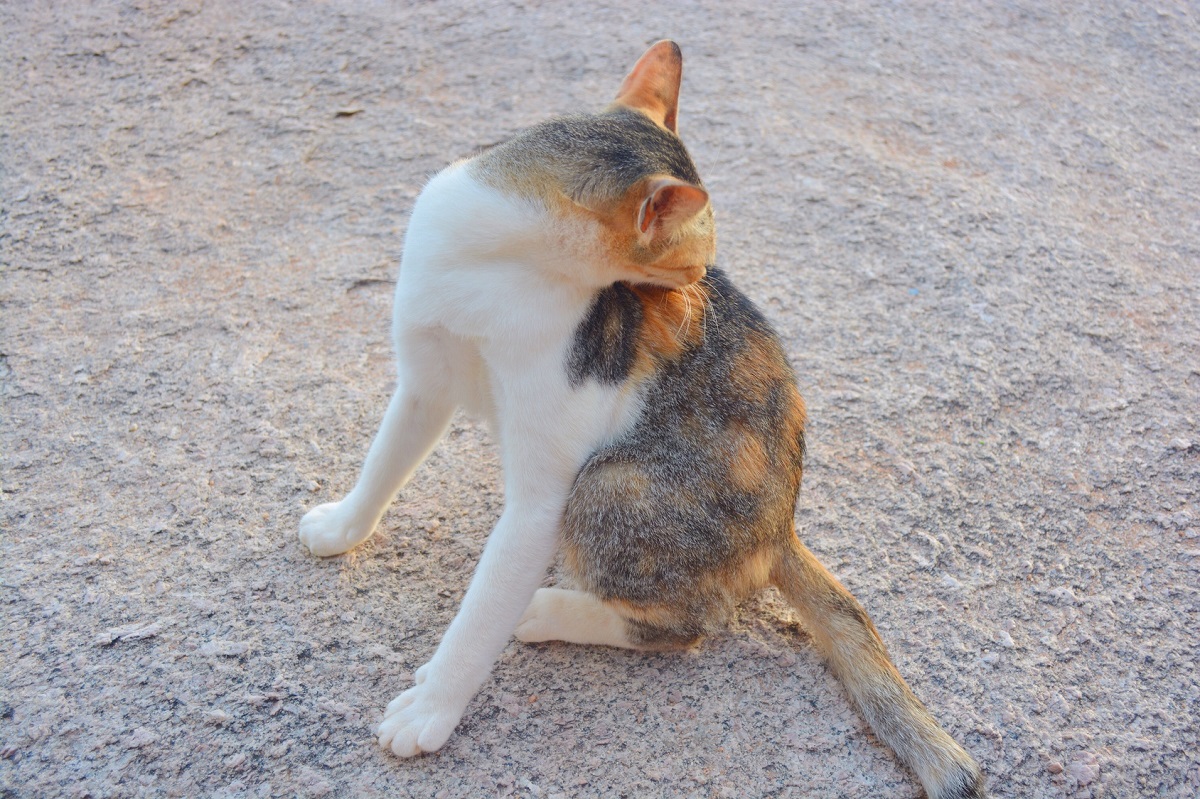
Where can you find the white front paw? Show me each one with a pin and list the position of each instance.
(330, 530)
(419, 720)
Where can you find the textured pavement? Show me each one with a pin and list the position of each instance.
(977, 229)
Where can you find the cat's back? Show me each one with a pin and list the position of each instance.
(711, 469)
(704, 355)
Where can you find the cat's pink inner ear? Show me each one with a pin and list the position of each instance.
(668, 204)
(652, 87)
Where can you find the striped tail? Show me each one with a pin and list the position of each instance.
(847, 639)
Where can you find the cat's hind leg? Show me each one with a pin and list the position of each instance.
(575, 617)
(578, 617)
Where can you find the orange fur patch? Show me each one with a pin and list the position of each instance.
(672, 319)
(748, 458)
(676, 260)
(624, 482)
(758, 368)
(793, 425)
(752, 574)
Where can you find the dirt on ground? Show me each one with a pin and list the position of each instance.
(976, 228)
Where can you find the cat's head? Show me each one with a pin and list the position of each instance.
(625, 173)
(662, 222)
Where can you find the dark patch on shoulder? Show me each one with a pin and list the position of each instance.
(605, 345)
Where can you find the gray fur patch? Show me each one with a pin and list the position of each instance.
(654, 512)
(605, 344)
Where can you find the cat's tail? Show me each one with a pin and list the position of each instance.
(844, 634)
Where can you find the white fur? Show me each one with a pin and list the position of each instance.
(491, 290)
(576, 617)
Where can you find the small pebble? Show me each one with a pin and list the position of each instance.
(225, 648)
(217, 716)
(1084, 772)
(139, 738)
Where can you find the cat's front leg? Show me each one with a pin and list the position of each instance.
(415, 418)
(545, 433)
(514, 562)
(411, 426)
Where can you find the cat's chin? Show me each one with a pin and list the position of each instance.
(672, 279)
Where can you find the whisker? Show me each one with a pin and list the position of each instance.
(704, 312)
(685, 326)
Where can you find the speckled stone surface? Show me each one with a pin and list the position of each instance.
(977, 229)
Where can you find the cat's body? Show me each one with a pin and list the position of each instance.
(562, 286)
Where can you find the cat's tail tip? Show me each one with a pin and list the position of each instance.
(966, 783)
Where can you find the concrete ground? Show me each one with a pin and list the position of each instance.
(976, 227)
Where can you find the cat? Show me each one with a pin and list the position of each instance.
(563, 286)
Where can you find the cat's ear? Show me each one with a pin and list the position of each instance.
(652, 86)
(668, 204)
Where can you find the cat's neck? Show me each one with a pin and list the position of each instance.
(489, 266)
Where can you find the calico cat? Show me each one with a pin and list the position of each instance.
(563, 286)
